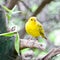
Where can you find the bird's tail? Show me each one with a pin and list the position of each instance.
(45, 37)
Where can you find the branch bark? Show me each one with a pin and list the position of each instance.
(52, 53)
(26, 6)
(35, 44)
(11, 3)
(30, 44)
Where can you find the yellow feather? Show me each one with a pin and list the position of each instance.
(34, 28)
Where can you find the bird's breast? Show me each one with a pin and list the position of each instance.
(32, 30)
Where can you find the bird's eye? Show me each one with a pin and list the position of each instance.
(31, 19)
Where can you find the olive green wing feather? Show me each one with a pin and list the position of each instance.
(41, 30)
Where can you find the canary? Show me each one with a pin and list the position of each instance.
(34, 28)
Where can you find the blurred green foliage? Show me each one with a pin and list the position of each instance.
(9, 34)
(17, 42)
(57, 57)
(54, 36)
(53, 10)
(34, 7)
(25, 50)
(54, 7)
(11, 12)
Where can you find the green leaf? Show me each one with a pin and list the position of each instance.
(16, 12)
(14, 8)
(9, 34)
(25, 50)
(41, 40)
(17, 43)
(36, 52)
(6, 9)
(9, 12)
(8, 16)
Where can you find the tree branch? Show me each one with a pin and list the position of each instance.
(26, 6)
(30, 44)
(52, 53)
(11, 3)
(35, 44)
(41, 6)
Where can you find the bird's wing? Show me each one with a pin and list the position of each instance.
(41, 30)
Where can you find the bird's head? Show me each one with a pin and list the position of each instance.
(32, 20)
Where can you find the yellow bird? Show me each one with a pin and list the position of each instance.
(34, 28)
